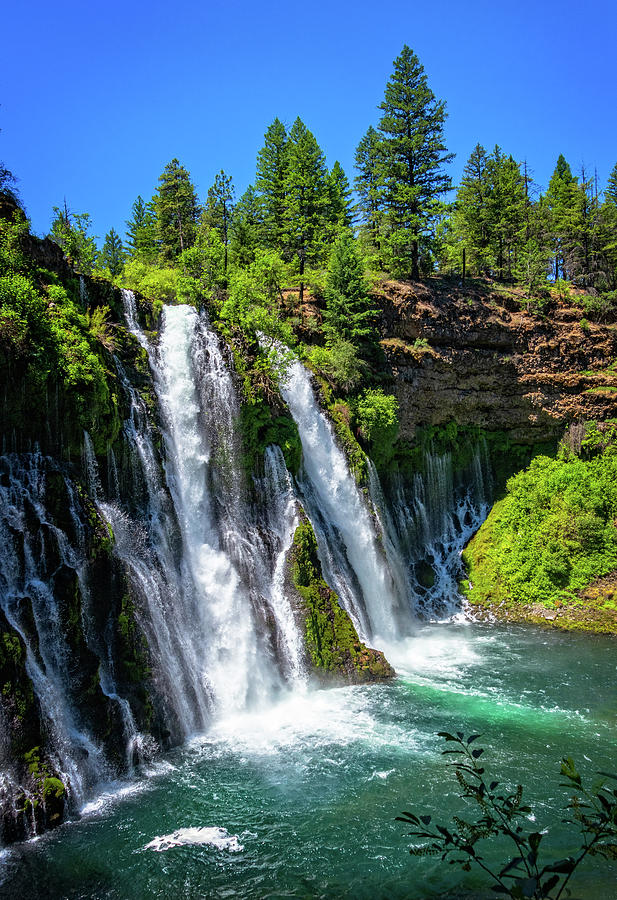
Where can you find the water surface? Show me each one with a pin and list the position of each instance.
(309, 788)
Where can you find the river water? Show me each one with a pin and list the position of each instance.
(299, 799)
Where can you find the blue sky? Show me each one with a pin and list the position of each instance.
(95, 98)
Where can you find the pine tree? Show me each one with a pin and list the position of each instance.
(141, 231)
(219, 209)
(608, 230)
(306, 198)
(177, 211)
(247, 227)
(411, 159)
(270, 184)
(559, 198)
(579, 225)
(369, 189)
(470, 226)
(112, 255)
(340, 207)
(349, 314)
(610, 194)
(506, 210)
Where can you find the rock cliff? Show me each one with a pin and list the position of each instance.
(479, 358)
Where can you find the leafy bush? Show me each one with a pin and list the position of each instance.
(377, 418)
(502, 814)
(553, 533)
(157, 284)
(340, 363)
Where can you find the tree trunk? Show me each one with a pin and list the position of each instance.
(415, 271)
(301, 277)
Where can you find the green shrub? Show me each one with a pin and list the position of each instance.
(553, 533)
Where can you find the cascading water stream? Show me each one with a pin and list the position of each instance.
(280, 519)
(36, 558)
(232, 556)
(430, 521)
(352, 555)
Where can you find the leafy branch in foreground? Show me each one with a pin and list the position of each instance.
(593, 810)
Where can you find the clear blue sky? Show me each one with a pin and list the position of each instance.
(95, 98)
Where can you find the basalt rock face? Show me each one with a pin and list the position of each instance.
(494, 367)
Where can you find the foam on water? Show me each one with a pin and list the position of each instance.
(219, 838)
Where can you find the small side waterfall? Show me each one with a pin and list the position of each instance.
(352, 556)
(42, 591)
(429, 521)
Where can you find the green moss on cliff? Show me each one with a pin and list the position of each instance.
(55, 361)
(331, 639)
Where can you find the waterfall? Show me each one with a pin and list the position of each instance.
(429, 520)
(353, 560)
(239, 632)
(39, 564)
(279, 506)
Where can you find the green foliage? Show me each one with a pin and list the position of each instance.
(349, 315)
(340, 364)
(377, 418)
(340, 211)
(158, 284)
(259, 428)
(369, 190)
(270, 185)
(46, 339)
(502, 815)
(70, 231)
(112, 255)
(552, 534)
(141, 239)
(177, 211)
(331, 639)
(202, 267)
(247, 228)
(410, 160)
(306, 198)
(254, 298)
(218, 210)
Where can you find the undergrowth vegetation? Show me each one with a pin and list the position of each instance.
(554, 531)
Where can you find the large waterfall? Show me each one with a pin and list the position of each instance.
(204, 549)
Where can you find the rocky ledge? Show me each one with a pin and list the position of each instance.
(478, 357)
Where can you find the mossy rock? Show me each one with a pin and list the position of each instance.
(54, 795)
(332, 642)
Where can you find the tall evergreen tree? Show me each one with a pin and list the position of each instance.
(349, 314)
(610, 194)
(270, 184)
(112, 255)
(369, 189)
(141, 231)
(470, 225)
(507, 206)
(247, 227)
(559, 199)
(340, 207)
(177, 211)
(580, 230)
(608, 230)
(412, 156)
(306, 198)
(218, 210)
